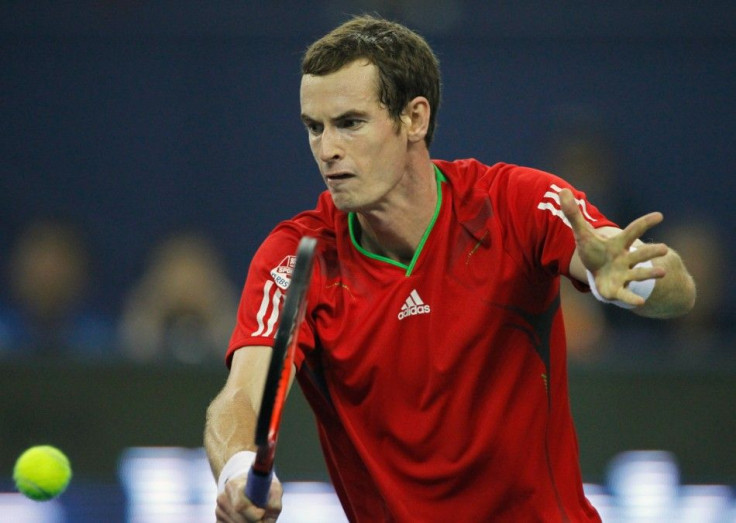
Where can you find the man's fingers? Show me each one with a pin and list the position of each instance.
(226, 511)
(638, 227)
(233, 506)
(572, 212)
(646, 273)
(629, 297)
(646, 252)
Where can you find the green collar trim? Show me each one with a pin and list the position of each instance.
(352, 225)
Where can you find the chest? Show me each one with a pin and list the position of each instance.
(465, 301)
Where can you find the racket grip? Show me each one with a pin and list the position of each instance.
(257, 487)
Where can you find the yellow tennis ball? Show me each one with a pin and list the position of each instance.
(42, 472)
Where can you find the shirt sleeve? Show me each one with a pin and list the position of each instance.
(262, 299)
(538, 225)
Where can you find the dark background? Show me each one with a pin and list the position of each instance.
(140, 118)
(136, 119)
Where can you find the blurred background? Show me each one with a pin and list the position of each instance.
(148, 147)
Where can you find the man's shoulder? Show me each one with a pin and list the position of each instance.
(470, 176)
(473, 171)
(323, 216)
(321, 222)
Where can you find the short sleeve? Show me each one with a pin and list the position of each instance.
(264, 292)
(535, 219)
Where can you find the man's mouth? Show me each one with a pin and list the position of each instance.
(337, 176)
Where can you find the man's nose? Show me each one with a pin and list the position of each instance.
(330, 147)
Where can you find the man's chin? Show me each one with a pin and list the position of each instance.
(342, 203)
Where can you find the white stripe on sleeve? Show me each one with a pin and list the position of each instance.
(274, 312)
(263, 309)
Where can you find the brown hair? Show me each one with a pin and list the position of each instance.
(407, 67)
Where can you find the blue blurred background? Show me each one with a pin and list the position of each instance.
(154, 144)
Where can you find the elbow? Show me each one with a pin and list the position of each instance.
(672, 302)
(690, 295)
(682, 302)
(687, 290)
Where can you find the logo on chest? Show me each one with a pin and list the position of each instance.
(413, 306)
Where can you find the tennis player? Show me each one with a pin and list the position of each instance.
(433, 350)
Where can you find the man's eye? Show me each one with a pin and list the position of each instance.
(350, 123)
(314, 128)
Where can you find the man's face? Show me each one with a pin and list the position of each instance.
(360, 150)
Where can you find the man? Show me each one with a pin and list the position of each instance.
(433, 348)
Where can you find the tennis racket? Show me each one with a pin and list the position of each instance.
(279, 374)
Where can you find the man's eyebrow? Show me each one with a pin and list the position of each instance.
(306, 119)
(347, 115)
(352, 113)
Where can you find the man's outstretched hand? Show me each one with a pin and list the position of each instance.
(607, 252)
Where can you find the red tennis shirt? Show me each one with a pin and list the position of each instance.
(439, 387)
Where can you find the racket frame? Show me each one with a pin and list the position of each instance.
(276, 387)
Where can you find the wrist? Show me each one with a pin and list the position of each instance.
(238, 465)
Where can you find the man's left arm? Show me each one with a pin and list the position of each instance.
(618, 264)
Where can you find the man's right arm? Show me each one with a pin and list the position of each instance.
(232, 415)
(230, 428)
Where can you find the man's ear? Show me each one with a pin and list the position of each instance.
(416, 118)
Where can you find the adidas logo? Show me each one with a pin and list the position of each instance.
(413, 306)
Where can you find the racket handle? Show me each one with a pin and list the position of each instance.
(257, 487)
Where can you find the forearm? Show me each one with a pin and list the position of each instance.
(674, 294)
(229, 428)
(232, 416)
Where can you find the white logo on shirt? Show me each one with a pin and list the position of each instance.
(281, 274)
(413, 306)
(553, 206)
(270, 308)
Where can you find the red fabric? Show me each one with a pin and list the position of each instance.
(459, 411)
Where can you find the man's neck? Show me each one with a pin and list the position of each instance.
(396, 230)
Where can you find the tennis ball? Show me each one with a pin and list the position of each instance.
(42, 472)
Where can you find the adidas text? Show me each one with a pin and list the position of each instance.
(413, 306)
(412, 311)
